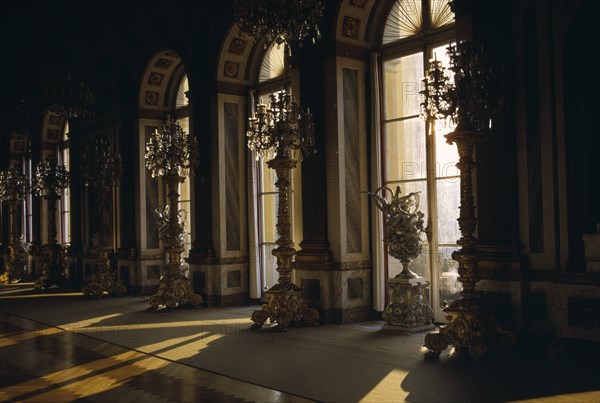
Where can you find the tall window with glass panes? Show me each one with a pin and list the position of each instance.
(414, 152)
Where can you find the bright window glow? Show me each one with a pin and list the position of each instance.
(406, 18)
(182, 99)
(416, 157)
(65, 200)
(273, 64)
(185, 199)
(441, 14)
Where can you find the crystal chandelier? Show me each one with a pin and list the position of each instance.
(20, 113)
(171, 151)
(50, 178)
(282, 127)
(468, 92)
(13, 185)
(69, 97)
(282, 21)
(100, 167)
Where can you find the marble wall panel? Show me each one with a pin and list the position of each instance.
(232, 177)
(152, 201)
(352, 161)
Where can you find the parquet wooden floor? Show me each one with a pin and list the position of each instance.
(47, 364)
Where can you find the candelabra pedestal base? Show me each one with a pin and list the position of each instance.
(15, 267)
(53, 266)
(102, 283)
(408, 310)
(284, 305)
(469, 328)
(174, 289)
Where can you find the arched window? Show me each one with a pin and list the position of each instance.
(182, 100)
(164, 90)
(413, 17)
(414, 154)
(182, 112)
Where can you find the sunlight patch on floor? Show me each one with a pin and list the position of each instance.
(388, 389)
(8, 339)
(87, 379)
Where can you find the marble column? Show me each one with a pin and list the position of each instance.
(314, 256)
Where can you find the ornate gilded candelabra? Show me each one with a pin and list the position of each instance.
(469, 95)
(282, 132)
(14, 187)
(408, 309)
(49, 181)
(101, 169)
(172, 154)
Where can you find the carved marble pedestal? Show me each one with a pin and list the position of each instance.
(408, 310)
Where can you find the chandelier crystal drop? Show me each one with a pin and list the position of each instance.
(282, 126)
(171, 151)
(281, 21)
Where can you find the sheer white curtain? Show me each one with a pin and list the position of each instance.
(254, 269)
(376, 175)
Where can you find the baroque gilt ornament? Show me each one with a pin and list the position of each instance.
(468, 93)
(49, 181)
(172, 155)
(101, 170)
(282, 132)
(408, 309)
(14, 187)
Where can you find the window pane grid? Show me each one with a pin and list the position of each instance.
(405, 144)
(418, 158)
(402, 83)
